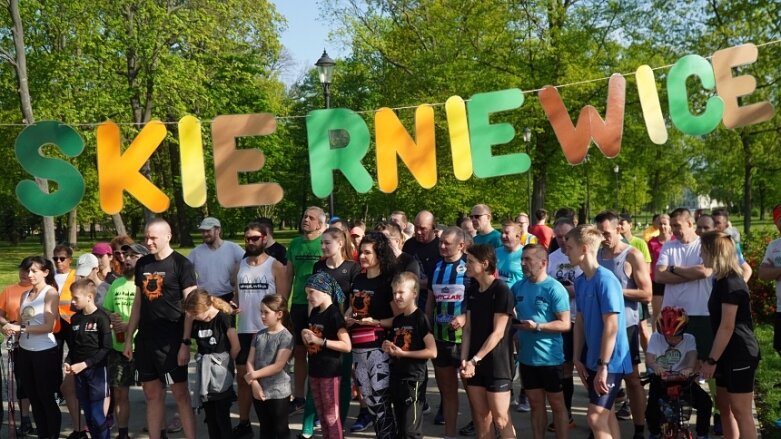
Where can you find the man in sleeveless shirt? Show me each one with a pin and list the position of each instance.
(628, 265)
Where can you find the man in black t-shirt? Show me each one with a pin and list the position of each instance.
(425, 248)
(273, 248)
(163, 280)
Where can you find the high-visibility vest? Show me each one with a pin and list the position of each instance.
(66, 307)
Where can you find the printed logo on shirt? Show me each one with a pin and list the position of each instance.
(88, 327)
(670, 358)
(154, 285)
(360, 303)
(403, 337)
(565, 272)
(448, 293)
(317, 329)
(204, 333)
(248, 284)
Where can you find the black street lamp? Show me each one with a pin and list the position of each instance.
(325, 68)
(527, 139)
(616, 170)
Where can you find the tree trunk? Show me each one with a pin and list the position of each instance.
(185, 239)
(27, 110)
(748, 166)
(119, 224)
(73, 228)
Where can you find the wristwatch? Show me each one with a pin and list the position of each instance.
(187, 341)
(601, 363)
(475, 360)
(672, 269)
(711, 361)
(537, 327)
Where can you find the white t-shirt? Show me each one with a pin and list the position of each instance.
(773, 258)
(560, 269)
(254, 283)
(213, 268)
(670, 358)
(692, 296)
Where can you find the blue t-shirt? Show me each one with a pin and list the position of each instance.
(599, 295)
(540, 302)
(493, 238)
(509, 265)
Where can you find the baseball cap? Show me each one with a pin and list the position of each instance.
(334, 219)
(136, 248)
(209, 223)
(102, 248)
(86, 263)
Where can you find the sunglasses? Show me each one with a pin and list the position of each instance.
(253, 238)
(60, 258)
(477, 216)
(118, 254)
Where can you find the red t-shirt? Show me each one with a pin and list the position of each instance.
(543, 233)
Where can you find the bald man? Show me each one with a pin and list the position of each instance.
(163, 279)
(425, 248)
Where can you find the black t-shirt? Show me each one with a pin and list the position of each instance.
(90, 338)
(407, 333)
(497, 299)
(161, 283)
(212, 337)
(742, 348)
(427, 254)
(325, 363)
(278, 252)
(407, 262)
(370, 298)
(344, 274)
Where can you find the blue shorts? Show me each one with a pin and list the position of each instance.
(606, 400)
(92, 384)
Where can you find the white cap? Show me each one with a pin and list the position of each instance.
(86, 263)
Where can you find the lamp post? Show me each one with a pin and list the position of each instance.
(325, 68)
(527, 139)
(616, 170)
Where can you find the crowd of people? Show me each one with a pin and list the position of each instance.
(359, 312)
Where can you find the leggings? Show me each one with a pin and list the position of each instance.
(92, 391)
(218, 418)
(41, 375)
(345, 396)
(372, 372)
(325, 392)
(272, 414)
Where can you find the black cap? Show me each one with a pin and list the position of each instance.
(136, 248)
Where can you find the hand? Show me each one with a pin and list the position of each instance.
(391, 349)
(128, 351)
(183, 359)
(582, 372)
(78, 368)
(307, 335)
(386, 346)
(249, 378)
(528, 325)
(600, 381)
(707, 371)
(11, 329)
(349, 321)
(467, 369)
(458, 322)
(257, 391)
(66, 368)
(114, 318)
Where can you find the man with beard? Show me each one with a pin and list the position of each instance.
(259, 275)
(118, 303)
(215, 260)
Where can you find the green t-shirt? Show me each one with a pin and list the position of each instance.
(303, 254)
(119, 299)
(641, 245)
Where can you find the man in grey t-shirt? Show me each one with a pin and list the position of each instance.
(216, 260)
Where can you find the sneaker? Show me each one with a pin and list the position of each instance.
(24, 429)
(623, 412)
(242, 430)
(317, 422)
(364, 421)
(467, 430)
(296, 405)
(78, 435)
(439, 419)
(717, 428)
(570, 425)
(523, 404)
(621, 395)
(426, 408)
(175, 426)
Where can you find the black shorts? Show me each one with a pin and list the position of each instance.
(607, 400)
(644, 312)
(245, 342)
(156, 360)
(736, 379)
(491, 384)
(633, 335)
(448, 354)
(300, 316)
(541, 377)
(568, 344)
(657, 289)
(121, 371)
(92, 384)
(777, 333)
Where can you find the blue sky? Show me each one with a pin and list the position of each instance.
(306, 36)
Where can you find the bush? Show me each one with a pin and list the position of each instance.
(763, 293)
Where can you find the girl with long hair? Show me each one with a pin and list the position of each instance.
(218, 345)
(734, 356)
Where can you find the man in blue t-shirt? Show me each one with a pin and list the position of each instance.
(600, 325)
(508, 256)
(481, 220)
(542, 309)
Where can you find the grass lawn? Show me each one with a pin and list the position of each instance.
(768, 383)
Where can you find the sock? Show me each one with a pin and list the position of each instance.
(123, 432)
(243, 422)
(639, 429)
(568, 387)
(25, 419)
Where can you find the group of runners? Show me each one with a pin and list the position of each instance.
(359, 312)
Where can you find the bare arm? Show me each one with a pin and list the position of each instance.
(283, 279)
(466, 334)
(769, 272)
(283, 356)
(132, 324)
(641, 276)
(609, 333)
(695, 272)
(747, 271)
(233, 339)
(561, 324)
(663, 275)
(428, 352)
